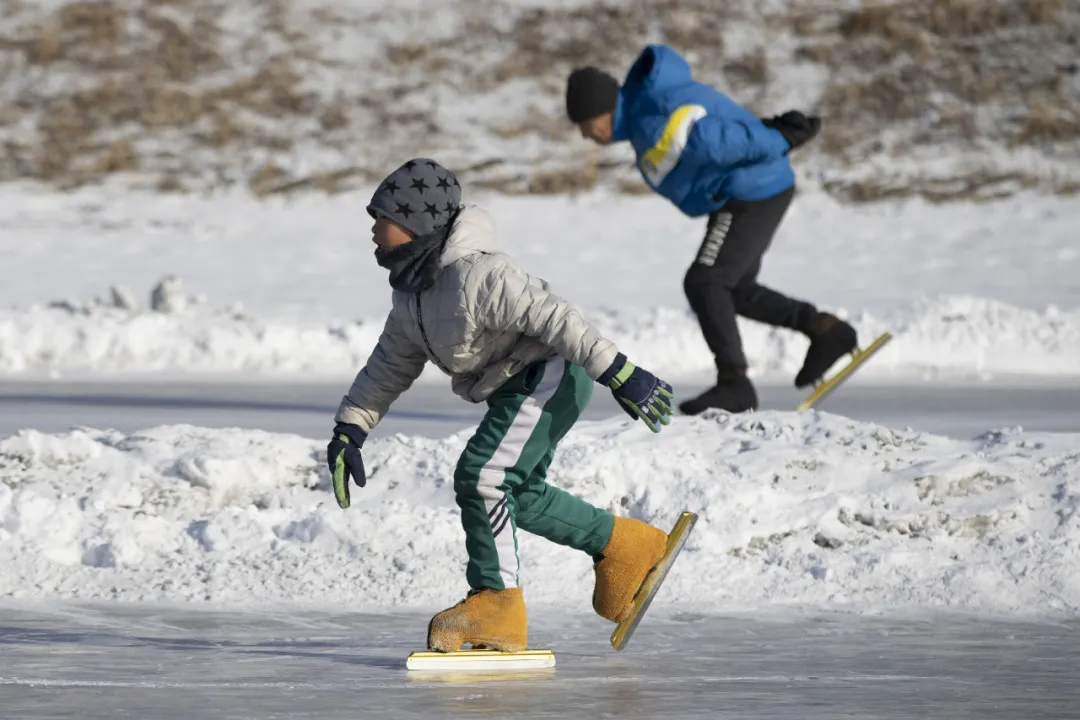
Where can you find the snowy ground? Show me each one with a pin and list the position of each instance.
(794, 510)
(113, 660)
(290, 289)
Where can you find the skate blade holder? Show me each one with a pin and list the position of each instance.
(480, 660)
(824, 388)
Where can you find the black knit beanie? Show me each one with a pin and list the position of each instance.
(590, 92)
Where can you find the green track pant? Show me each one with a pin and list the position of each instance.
(500, 477)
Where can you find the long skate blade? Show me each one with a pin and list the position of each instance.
(649, 587)
(462, 660)
(825, 388)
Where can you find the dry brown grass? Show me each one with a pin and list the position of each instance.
(978, 185)
(950, 73)
(143, 73)
(569, 179)
(1047, 121)
(749, 69)
(161, 88)
(544, 44)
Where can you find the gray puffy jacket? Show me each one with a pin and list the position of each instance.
(482, 322)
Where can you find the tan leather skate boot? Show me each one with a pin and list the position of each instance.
(634, 548)
(493, 619)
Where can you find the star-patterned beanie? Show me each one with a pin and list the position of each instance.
(421, 196)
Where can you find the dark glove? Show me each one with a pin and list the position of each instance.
(639, 392)
(343, 457)
(797, 129)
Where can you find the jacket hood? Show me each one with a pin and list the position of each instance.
(657, 67)
(473, 232)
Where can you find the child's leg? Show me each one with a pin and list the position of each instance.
(499, 482)
(560, 517)
(548, 511)
(623, 549)
(525, 419)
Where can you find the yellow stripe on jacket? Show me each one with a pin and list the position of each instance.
(659, 160)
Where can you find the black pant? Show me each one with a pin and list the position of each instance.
(722, 282)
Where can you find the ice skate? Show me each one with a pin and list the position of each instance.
(830, 339)
(650, 586)
(486, 619)
(733, 392)
(633, 550)
(826, 387)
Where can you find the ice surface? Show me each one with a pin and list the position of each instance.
(807, 509)
(958, 410)
(166, 662)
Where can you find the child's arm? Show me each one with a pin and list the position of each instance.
(507, 300)
(731, 142)
(393, 366)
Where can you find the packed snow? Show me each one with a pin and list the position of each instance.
(951, 336)
(794, 509)
(289, 287)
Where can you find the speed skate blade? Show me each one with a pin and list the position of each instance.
(824, 388)
(649, 587)
(463, 660)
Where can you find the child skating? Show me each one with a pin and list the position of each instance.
(709, 156)
(505, 339)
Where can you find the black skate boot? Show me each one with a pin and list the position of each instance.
(830, 339)
(733, 392)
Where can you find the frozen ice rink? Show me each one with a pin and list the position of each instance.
(959, 410)
(145, 661)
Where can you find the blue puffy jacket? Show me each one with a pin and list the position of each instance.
(694, 145)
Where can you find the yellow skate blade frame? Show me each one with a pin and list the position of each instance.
(472, 660)
(651, 584)
(824, 388)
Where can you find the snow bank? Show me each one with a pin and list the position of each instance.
(945, 335)
(807, 509)
(177, 333)
(960, 336)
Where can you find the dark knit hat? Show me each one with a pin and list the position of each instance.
(590, 92)
(421, 196)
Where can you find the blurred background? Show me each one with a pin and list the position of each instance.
(183, 184)
(953, 100)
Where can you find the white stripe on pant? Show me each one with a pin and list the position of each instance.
(493, 474)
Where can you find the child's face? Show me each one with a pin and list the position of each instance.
(597, 129)
(388, 234)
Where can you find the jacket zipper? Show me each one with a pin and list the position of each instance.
(423, 334)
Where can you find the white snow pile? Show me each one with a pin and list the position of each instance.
(809, 509)
(959, 336)
(176, 332)
(944, 335)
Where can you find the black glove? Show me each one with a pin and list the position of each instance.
(343, 457)
(797, 129)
